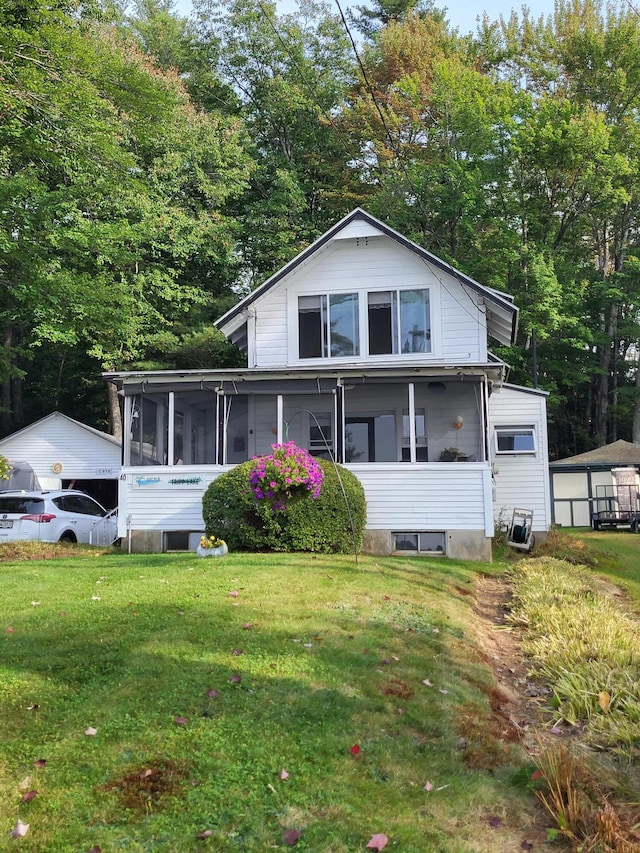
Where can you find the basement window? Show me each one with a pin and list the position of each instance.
(426, 542)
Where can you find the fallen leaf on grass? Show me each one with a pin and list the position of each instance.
(207, 833)
(442, 690)
(355, 749)
(283, 775)
(555, 730)
(146, 773)
(427, 683)
(26, 798)
(21, 830)
(526, 845)
(90, 731)
(604, 700)
(291, 836)
(212, 694)
(179, 721)
(378, 841)
(495, 822)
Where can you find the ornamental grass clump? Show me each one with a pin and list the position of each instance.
(285, 476)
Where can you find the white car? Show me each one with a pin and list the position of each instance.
(61, 515)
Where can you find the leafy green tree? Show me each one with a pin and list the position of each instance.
(112, 194)
(289, 74)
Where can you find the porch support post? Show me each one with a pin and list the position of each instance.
(280, 417)
(484, 419)
(340, 432)
(126, 438)
(171, 429)
(221, 427)
(412, 422)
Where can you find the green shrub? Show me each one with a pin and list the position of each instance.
(324, 524)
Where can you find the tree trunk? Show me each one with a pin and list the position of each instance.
(602, 387)
(115, 415)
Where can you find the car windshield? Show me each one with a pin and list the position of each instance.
(25, 506)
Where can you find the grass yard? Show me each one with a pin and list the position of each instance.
(171, 703)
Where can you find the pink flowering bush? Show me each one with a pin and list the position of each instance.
(285, 476)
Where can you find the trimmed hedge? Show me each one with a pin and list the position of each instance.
(323, 524)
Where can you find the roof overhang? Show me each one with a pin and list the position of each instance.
(162, 381)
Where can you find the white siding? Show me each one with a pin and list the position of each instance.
(57, 440)
(361, 264)
(446, 496)
(421, 497)
(521, 481)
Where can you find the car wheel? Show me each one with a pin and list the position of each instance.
(68, 537)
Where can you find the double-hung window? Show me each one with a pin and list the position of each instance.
(328, 326)
(399, 321)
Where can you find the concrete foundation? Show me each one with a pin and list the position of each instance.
(461, 544)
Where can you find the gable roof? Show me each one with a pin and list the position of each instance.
(38, 425)
(617, 453)
(502, 314)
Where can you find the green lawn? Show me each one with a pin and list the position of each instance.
(310, 659)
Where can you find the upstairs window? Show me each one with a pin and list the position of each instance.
(399, 321)
(328, 326)
(515, 440)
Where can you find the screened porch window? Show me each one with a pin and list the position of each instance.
(328, 326)
(399, 321)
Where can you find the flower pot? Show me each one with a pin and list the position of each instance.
(218, 551)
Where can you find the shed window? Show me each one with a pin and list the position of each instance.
(515, 440)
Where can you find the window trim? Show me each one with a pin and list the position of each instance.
(524, 429)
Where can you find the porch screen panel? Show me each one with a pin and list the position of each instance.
(310, 423)
(262, 423)
(148, 438)
(195, 428)
(235, 429)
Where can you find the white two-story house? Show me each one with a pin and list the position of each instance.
(367, 349)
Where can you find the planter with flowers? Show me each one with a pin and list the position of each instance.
(211, 546)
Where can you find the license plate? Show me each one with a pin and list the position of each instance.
(5, 524)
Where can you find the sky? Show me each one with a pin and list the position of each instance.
(461, 13)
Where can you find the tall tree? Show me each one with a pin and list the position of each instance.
(111, 194)
(289, 74)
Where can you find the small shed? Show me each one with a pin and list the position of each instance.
(577, 480)
(65, 453)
